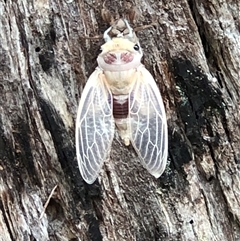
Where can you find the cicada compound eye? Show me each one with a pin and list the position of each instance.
(136, 47)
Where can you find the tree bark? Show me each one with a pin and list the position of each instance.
(193, 52)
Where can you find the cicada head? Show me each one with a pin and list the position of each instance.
(120, 28)
(119, 54)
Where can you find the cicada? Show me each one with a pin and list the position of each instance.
(121, 92)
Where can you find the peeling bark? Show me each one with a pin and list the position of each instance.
(193, 52)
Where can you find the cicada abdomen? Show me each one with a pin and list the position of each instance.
(121, 93)
(120, 107)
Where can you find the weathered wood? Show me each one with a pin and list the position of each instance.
(193, 52)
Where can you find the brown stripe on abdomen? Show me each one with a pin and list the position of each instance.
(120, 107)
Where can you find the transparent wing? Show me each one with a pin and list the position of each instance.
(148, 124)
(94, 127)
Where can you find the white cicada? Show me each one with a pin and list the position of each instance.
(121, 92)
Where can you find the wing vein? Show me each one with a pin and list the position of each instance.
(148, 124)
